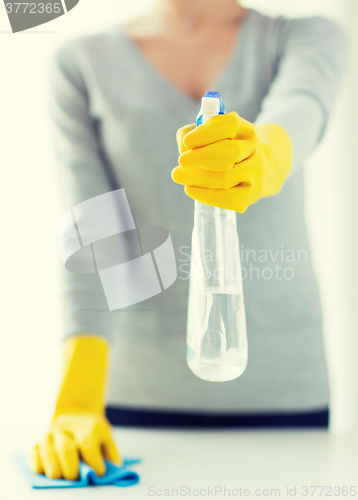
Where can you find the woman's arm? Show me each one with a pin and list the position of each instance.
(231, 163)
(79, 428)
(83, 173)
(310, 57)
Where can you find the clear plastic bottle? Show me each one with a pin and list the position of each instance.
(216, 329)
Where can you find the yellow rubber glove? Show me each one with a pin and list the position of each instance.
(79, 428)
(229, 163)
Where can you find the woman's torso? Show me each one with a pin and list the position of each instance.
(139, 112)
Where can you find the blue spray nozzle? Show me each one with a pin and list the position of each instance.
(212, 95)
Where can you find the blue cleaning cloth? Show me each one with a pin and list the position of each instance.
(115, 475)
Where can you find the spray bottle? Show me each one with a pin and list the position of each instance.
(216, 328)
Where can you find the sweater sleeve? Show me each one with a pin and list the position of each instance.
(83, 173)
(311, 57)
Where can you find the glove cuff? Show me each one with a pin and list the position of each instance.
(84, 375)
(278, 150)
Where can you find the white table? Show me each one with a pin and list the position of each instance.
(253, 460)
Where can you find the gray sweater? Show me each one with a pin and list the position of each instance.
(115, 119)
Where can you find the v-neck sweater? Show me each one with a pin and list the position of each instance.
(115, 117)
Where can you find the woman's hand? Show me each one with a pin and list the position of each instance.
(73, 436)
(229, 163)
(79, 429)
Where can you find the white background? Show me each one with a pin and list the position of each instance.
(30, 321)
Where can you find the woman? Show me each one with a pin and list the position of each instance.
(119, 98)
